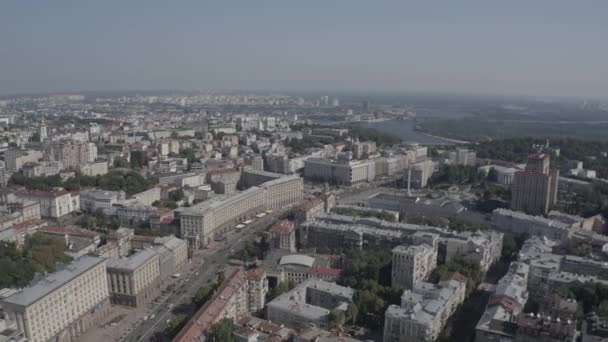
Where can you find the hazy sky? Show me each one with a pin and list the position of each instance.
(534, 47)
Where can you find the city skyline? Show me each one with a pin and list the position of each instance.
(510, 49)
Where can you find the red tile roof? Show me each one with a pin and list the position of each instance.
(212, 311)
(310, 203)
(282, 227)
(29, 224)
(255, 274)
(70, 230)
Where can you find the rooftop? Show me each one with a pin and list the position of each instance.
(133, 262)
(54, 281)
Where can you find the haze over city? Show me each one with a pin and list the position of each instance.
(303, 171)
(552, 48)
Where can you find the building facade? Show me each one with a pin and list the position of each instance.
(412, 264)
(64, 304)
(135, 280)
(53, 204)
(534, 190)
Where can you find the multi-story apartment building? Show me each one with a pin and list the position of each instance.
(309, 303)
(554, 227)
(255, 161)
(424, 311)
(211, 219)
(412, 264)
(135, 280)
(498, 322)
(534, 190)
(241, 293)
(283, 236)
(283, 192)
(257, 288)
(15, 159)
(53, 204)
(93, 200)
(29, 210)
(332, 231)
(73, 154)
(62, 305)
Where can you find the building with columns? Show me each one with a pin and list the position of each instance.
(135, 280)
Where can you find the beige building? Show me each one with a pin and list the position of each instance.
(134, 281)
(412, 265)
(53, 204)
(534, 190)
(202, 223)
(63, 305)
(424, 311)
(283, 192)
(309, 303)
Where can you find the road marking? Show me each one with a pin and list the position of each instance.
(169, 309)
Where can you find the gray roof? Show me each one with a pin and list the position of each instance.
(297, 259)
(54, 281)
(133, 262)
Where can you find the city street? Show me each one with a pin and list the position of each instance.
(215, 258)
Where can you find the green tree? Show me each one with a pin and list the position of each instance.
(175, 325)
(202, 295)
(352, 313)
(278, 290)
(221, 331)
(336, 319)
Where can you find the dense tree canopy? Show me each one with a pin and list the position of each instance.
(221, 331)
(40, 253)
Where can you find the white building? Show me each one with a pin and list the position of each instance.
(340, 172)
(92, 200)
(424, 311)
(62, 305)
(412, 265)
(53, 204)
(94, 168)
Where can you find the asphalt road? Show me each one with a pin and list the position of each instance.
(207, 273)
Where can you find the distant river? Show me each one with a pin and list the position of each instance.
(404, 129)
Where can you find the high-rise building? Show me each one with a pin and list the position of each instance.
(534, 190)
